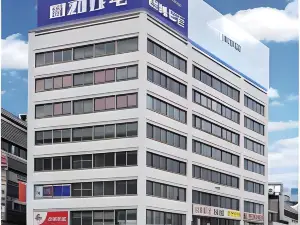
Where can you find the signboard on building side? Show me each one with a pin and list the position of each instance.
(51, 218)
(203, 210)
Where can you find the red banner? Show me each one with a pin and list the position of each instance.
(3, 160)
(51, 218)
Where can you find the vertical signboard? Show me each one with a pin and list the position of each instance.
(173, 13)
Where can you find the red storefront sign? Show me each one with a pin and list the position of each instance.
(253, 217)
(3, 160)
(51, 218)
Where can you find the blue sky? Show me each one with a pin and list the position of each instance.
(276, 26)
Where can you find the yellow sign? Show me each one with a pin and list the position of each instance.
(235, 214)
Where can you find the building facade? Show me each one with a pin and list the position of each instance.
(129, 123)
(281, 210)
(13, 168)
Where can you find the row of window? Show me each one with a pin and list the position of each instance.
(215, 200)
(87, 78)
(252, 207)
(165, 191)
(254, 187)
(215, 153)
(254, 167)
(90, 105)
(166, 56)
(166, 109)
(166, 82)
(108, 131)
(75, 162)
(254, 105)
(165, 136)
(215, 130)
(254, 146)
(165, 163)
(216, 84)
(164, 218)
(87, 189)
(13, 149)
(107, 217)
(215, 177)
(254, 126)
(87, 51)
(216, 107)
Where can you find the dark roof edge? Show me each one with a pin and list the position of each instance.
(14, 119)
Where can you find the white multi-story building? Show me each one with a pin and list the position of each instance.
(130, 123)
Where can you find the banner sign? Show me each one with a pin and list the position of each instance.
(203, 210)
(51, 218)
(254, 217)
(3, 160)
(174, 13)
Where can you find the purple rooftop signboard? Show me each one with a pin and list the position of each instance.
(173, 13)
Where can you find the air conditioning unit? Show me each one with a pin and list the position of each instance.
(271, 191)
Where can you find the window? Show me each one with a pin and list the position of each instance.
(215, 200)
(252, 207)
(127, 73)
(157, 217)
(165, 191)
(166, 109)
(165, 163)
(166, 56)
(127, 45)
(254, 105)
(104, 217)
(216, 107)
(82, 162)
(167, 82)
(85, 52)
(216, 84)
(173, 139)
(254, 167)
(84, 134)
(206, 126)
(254, 187)
(126, 101)
(254, 146)
(254, 126)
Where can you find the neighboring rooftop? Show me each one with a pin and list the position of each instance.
(13, 118)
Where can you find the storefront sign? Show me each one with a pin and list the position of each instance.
(3, 161)
(254, 217)
(51, 218)
(173, 13)
(202, 210)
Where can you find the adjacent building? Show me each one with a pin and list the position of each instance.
(131, 122)
(13, 168)
(281, 210)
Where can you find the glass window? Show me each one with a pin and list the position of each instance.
(110, 102)
(110, 75)
(122, 73)
(132, 72)
(67, 55)
(67, 81)
(132, 158)
(121, 130)
(58, 56)
(99, 77)
(132, 100)
(121, 101)
(109, 131)
(39, 59)
(49, 58)
(121, 159)
(127, 45)
(132, 187)
(121, 187)
(39, 85)
(109, 159)
(132, 129)
(109, 188)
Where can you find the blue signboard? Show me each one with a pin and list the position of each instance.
(174, 13)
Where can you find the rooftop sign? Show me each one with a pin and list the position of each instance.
(173, 13)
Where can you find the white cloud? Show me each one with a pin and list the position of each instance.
(270, 24)
(293, 97)
(283, 162)
(276, 103)
(273, 93)
(14, 53)
(281, 126)
(3, 92)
